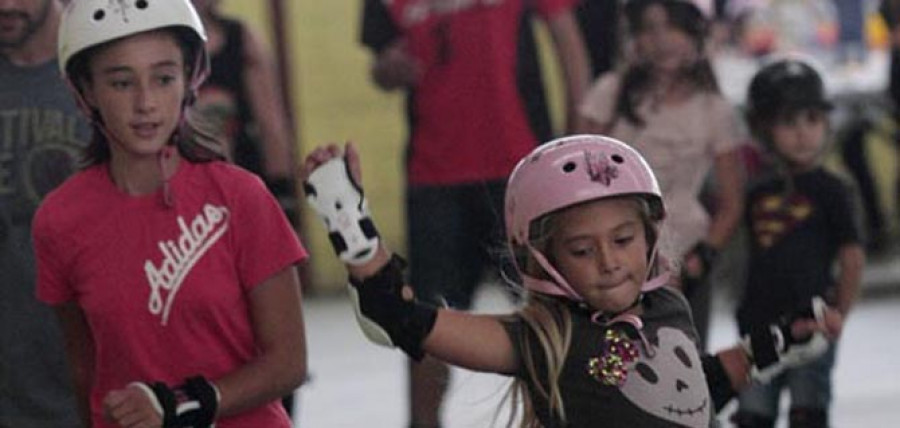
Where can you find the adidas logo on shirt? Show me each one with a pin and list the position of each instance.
(181, 254)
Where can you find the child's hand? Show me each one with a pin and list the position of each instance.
(831, 324)
(323, 154)
(131, 407)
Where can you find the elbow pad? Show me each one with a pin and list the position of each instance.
(385, 316)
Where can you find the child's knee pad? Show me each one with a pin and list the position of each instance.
(752, 420)
(808, 417)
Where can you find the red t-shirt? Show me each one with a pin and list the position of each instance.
(469, 120)
(165, 289)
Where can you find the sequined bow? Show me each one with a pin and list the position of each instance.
(617, 354)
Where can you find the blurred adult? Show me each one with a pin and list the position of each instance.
(41, 133)
(243, 100)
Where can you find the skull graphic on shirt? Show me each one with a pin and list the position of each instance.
(670, 383)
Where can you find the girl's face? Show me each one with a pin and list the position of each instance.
(600, 248)
(663, 45)
(138, 85)
(799, 138)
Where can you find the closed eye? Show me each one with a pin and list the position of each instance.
(624, 240)
(582, 251)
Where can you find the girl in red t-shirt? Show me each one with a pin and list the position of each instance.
(172, 271)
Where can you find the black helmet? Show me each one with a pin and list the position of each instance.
(784, 86)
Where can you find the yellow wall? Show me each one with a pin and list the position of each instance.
(335, 102)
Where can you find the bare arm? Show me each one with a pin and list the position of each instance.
(729, 198)
(269, 111)
(395, 68)
(280, 367)
(571, 52)
(79, 344)
(851, 259)
(475, 342)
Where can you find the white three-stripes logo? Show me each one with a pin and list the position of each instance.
(180, 255)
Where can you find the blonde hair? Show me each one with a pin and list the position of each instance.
(550, 320)
(551, 323)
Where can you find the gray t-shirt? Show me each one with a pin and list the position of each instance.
(664, 386)
(42, 134)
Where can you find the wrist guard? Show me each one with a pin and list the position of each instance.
(193, 404)
(385, 317)
(341, 204)
(772, 348)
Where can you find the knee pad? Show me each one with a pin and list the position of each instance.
(806, 417)
(752, 420)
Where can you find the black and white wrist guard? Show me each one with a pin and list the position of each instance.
(192, 404)
(385, 316)
(341, 204)
(772, 348)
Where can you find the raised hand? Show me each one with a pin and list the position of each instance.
(793, 342)
(331, 183)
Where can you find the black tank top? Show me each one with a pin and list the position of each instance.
(227, 77)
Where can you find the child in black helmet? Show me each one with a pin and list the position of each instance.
(801, 221)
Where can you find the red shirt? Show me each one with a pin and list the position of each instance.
(469, 120)
(165, 289)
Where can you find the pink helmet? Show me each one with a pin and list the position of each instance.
(565, 172)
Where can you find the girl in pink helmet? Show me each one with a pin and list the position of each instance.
(600, 338)
(173, 272)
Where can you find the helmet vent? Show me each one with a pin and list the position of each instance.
(569, 167)
(99, 14)
(141, 4)
(617, 158)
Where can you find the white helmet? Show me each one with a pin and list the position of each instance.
(88, 23)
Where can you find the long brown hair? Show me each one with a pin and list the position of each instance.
(636, 78)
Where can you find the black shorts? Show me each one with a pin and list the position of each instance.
(455, 234)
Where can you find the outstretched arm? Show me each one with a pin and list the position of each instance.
(386, 307)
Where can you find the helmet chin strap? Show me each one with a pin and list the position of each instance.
(164, 157)
(568, 291)
(600, 316)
